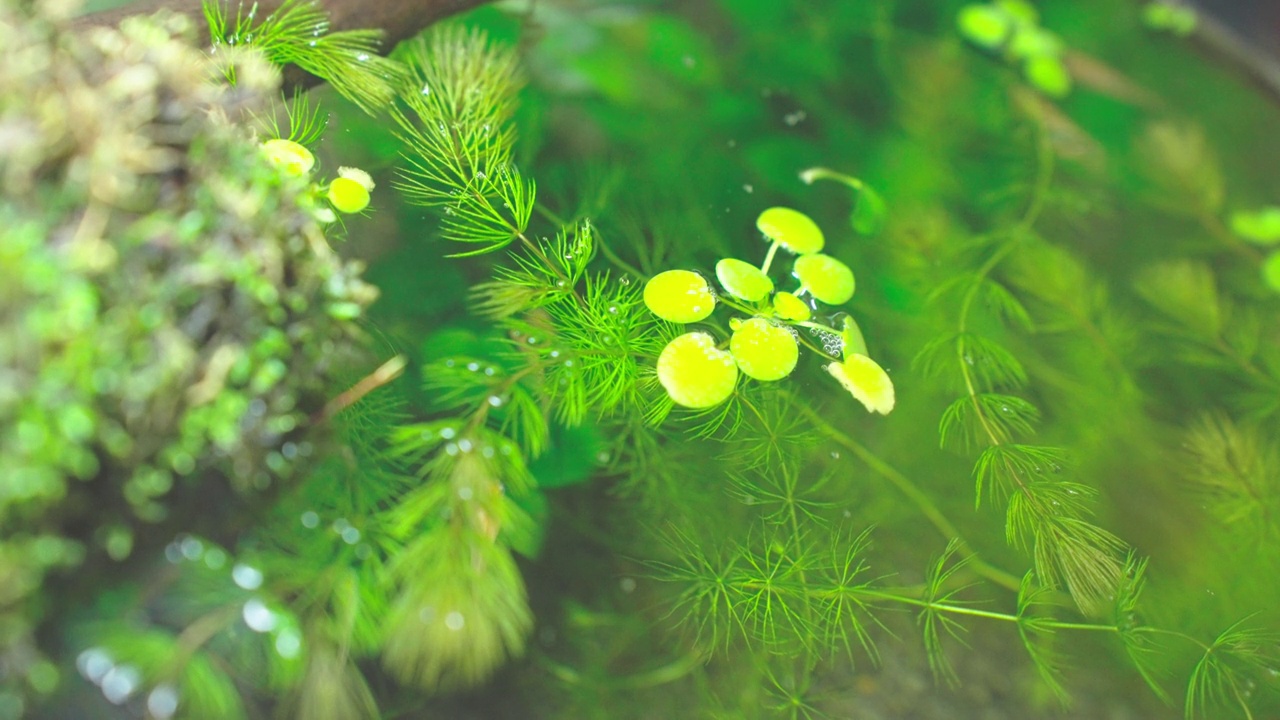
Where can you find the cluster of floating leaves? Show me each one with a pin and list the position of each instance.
(1012, 29)
(699, 372)
(348, 193)
(1171, 17)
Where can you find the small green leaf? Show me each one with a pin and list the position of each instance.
(869, 211)
(764, 351)
(743, 280)
(695, 373)
(1178, 20)
(866, 381)
(791, 229)
(984, 25)
(790, 307)
(348, 195)
(1260, 227)
(679, 296)
(1030, 41)
(291, 157)
(1020, 10)
(1047, 74)
(1271, 271)
(825, 277)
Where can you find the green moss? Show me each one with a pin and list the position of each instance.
(145, 244)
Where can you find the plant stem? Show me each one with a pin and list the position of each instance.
(768, 258)
(1044, 176)
(914, 494)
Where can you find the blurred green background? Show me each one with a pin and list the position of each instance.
(673, 124)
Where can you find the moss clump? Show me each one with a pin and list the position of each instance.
(169, 305)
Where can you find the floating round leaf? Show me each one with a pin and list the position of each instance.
(679, 296)
(1271, 271)
(1020, 10)
(866, 381)
(695, 373)
(791, 229)
(1261, 227)
(348, 195)
(764, 351)
(1031, 41)
(825, 277)
(743, 280)
(1180, 21)
(790, 307)
(984, 25)
(291, 157)
(360, 176)
(1048, 75)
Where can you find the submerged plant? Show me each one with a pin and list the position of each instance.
(488, 498)
(174, 311)
(1012, 29)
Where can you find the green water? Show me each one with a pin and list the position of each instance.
(1071, 510)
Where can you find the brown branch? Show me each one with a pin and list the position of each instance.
(397, 19)
(1222, 41)
(1233, 50)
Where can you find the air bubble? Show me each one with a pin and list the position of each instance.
(119, 683)
(162, 702)
(288, 644)
(93, 664)
(258, 616)
(191, 548)
(247, 577)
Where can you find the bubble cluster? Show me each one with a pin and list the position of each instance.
(1012, 29)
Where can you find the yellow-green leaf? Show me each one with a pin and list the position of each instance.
(743, 280)
(695, 373)
(791, 229)
(866, 381)
(825, 277)
(764, 351)
(679, 296)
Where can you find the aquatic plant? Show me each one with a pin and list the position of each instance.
(619, 475)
